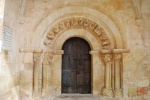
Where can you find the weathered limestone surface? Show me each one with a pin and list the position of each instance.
(9, 60)
(125, 24)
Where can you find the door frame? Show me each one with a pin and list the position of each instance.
(75, 39)
(97, 67)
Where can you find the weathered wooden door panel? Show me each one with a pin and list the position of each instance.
(76, 67)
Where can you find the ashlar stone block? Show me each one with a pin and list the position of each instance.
(132, 92)
(143, 83)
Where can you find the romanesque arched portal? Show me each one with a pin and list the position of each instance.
(106, 52)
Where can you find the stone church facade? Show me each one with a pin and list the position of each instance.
(34, 64)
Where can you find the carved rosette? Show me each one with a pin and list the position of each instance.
(107, 92)
(48, 57)
(79, 23)
(107, 58)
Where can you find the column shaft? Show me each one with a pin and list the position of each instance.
(45, 67)
(108, 75)
(118, 91)
(117, 75)
(45, 83)
(107, 91)
(35, 77)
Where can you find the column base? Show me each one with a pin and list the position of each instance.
(118, 93)
(107, 92)
(45, 92)
(36, 95)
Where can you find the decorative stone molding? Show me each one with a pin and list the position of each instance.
(94, 52)
(28, 50)
(79, 23)
(115, 51)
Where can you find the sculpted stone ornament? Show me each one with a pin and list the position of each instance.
(79, 23)
(107, 58)
(47, 42)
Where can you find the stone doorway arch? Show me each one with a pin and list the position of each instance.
(103, 56)
(104, 38)
(96, 64)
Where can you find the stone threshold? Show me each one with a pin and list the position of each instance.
(75, 94)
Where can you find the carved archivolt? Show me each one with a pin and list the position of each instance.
(79, 23)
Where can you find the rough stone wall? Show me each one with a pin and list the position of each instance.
(136, 63)
(9, 60)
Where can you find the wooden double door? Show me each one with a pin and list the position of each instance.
(76, 67)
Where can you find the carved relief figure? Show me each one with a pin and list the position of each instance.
(79, 23)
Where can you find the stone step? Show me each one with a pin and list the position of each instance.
(77, 97)
(93, 97)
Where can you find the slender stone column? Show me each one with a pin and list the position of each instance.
(118, 90)
(44, 78)
(35, 73)
(107, 91)
(45, 66)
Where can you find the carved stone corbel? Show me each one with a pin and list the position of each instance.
(107, 91)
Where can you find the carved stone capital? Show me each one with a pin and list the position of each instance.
(48, 57)
(107, 92)
(117, 57)
(107, 58)
(36, 57)
(118, 93)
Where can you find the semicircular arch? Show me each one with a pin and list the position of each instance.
(76, 33)
(101, 19)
